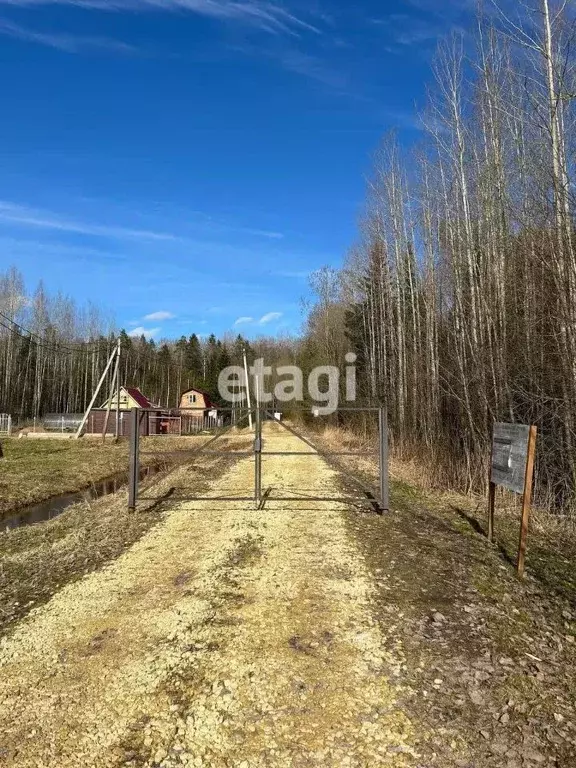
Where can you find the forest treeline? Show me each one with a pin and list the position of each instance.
(459, 296)
(52, 354)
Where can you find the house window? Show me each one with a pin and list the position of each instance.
(191, 398)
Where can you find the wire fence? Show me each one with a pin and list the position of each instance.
(231, 418)
(5, 424)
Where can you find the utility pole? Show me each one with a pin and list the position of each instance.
(114, 389)
(247, 387)
(257, 448)
(95, 395)
(119, 387)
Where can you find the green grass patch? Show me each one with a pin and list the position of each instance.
(402, 492)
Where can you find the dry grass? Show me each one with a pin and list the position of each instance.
(405, 470)
(35, 470)
(37, 560)
(551, 540)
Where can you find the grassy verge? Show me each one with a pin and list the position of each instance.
(35, 470)
(37, 560)
(551, 551)
(491, 659)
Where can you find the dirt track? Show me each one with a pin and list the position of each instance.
(224, 637)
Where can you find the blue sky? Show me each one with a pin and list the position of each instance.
(187, 163)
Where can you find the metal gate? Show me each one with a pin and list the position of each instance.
(377, 498)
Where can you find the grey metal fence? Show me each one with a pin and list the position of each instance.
(378, 498)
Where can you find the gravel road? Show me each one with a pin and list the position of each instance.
(224, 636)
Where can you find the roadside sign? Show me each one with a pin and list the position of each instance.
(512, 466)
(509, 455)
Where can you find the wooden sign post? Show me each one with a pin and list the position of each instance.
(512, 466)
(526, 498)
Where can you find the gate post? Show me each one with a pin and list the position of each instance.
(134, 473)
(258, 458)
(383, 454)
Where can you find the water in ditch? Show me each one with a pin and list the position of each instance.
(46, 510)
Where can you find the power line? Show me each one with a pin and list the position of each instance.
(30, 333)
(54, 346)
(38, 344)
(12, 329)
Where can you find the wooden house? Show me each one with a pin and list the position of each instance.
(196, 398)
(130, 397)
(202, 413)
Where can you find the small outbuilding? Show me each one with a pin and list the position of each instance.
(130, 397)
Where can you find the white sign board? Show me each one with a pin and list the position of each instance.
(510, 455)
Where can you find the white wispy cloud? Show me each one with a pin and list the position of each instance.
(439, 19)
(160, 315)
(244, 320)
(448, 6)
(18, 214)
(62, 42)
(22, 215)
(407, 31)
(264, 14)
(416, 34)
(270, 317)
(262, 233)
(149, 333)
(313, 68)
(291, 59)
(18, 247)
